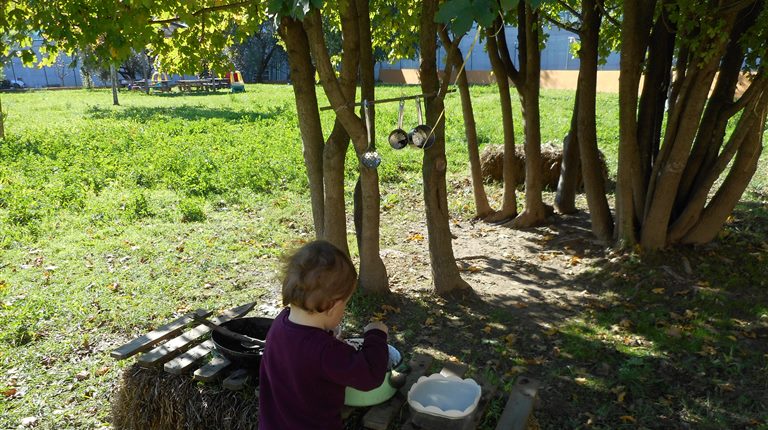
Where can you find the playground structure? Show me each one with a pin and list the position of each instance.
(236, 81)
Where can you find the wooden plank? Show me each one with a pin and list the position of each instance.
(520, 404)
(173, 347)
(145, 342)
(236, 380)
(454, 368)
(185, 361)
(212, 370)
(380, 416)
(489, 391)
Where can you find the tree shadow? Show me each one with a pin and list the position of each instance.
(144, 114)
(635, 341)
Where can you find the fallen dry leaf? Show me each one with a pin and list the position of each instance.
(415, 237)
(9, 392)
(487, 329)
(627, 418)
(658, 290)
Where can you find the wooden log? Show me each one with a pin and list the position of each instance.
(380, 416)
(145, 342)
(175, 346)
(520, 404)
(187, 360)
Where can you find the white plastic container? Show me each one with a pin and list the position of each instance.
(444, 402)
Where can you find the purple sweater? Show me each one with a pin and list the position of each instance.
(304, 371)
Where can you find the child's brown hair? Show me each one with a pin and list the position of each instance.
(317, 275)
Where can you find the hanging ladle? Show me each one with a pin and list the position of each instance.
(421, 136)
(398, 138)
(370, 158)
(245, 341)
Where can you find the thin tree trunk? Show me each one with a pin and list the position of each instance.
(591, 171)
(445, 273)
(509, 202)
(568, 183)
(654, 95)
(535, 212)
(354, 127)
(691, 214)
(334, 155)
(113, 77)
(482, 207)
(2, 120)
(635, 28)
(718, 112)
(726, 198)
(373, 273)
(303, 78)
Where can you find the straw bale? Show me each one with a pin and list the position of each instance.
(492, 157)
(152, 399)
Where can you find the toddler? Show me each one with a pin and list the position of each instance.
(305, 368)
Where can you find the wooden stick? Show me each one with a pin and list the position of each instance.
(392, 99)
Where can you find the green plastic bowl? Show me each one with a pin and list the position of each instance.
(380, 394)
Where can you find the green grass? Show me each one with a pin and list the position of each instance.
(113, 219)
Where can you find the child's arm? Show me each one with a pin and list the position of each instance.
(363, 369)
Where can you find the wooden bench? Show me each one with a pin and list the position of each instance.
(179, 348)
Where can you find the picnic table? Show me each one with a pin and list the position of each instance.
(181, 347)
(207, 84)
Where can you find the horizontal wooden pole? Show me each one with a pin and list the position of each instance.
(392, 99)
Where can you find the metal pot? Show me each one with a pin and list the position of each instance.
(421, 136)
(398, 138)
(240, 356)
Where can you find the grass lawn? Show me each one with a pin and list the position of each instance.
(113, 219)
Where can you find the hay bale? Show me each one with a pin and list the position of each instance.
(492, 158)
(492, 164)
(153, 399)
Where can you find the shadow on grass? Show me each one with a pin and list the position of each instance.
(185, 112)
(673, 340)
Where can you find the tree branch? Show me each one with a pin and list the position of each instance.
(562, 25)
(204, 10)
(607, 14)
(573, 11)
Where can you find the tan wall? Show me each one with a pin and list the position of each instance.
(607, 80)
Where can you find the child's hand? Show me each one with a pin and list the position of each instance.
(376, 325)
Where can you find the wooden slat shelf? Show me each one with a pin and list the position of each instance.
(186, 349)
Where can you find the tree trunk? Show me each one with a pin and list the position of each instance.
(264, 63)
(354, 127)
(568, 183)
(445, 273)
(591, 171)
(334, 155)
(744, 167)
(113, 78)
(2, 120)
(654, 95)
(635, 28)
(509, 202)
(373, 273)
(528, 86)
(692, 213)
(303, 79)
(682, 125)
(718, 112)
(482, 207)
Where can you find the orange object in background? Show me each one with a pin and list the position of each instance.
(235, 76)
